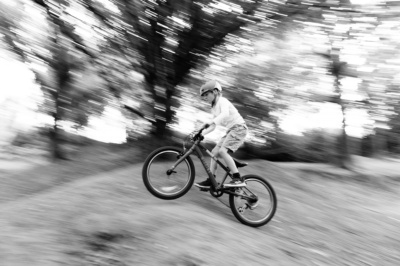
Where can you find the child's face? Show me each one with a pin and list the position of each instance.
(208, 97)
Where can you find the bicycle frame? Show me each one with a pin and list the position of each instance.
(196, 148)
(200, 155)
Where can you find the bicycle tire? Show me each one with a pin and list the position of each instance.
(151, 163)
(238, 209)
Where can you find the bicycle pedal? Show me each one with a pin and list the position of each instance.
(204, 189)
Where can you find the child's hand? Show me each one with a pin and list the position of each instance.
(207, 124)
(192, 135)
(207, 128)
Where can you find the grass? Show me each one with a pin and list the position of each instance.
(86, 161)
(94, 210)
(110, 219)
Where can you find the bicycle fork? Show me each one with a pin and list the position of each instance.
(180, 159)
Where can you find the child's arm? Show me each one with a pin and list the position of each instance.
(224, 105)
(210, 128)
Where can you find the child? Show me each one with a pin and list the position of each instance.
(224, 114)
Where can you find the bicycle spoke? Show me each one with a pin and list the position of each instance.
(163, 181)
(254, 204)
(159, 178)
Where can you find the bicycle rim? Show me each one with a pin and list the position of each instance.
(168, 185)
(255, 213)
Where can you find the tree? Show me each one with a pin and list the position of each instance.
(68, 80)
(172, 37)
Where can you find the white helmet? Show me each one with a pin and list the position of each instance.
(210, 86)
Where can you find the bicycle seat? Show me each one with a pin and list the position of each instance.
(239, 164)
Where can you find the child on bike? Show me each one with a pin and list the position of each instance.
(224, 114)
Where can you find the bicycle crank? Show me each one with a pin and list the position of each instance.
(216, 193)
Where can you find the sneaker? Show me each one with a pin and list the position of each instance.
(204, 184)
(236, 182)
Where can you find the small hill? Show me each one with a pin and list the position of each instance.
(110, 219)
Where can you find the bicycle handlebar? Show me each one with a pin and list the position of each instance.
(198, 135)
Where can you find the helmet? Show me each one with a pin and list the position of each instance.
(209, 86)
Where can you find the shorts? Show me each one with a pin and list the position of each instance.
(233, 138)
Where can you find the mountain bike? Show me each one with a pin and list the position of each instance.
(168, 173)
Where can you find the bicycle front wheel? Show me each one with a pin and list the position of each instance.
(255, 204)
(164, 182)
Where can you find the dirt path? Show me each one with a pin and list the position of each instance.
(110, 219)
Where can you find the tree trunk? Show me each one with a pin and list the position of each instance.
(163, 112)
(55, 138)
(62, 69)
(55, 145)
(343, 149)
(160, 82)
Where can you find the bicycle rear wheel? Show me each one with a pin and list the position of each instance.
(161, 184)
(257, 202)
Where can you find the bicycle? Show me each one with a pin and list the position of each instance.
(168, 173)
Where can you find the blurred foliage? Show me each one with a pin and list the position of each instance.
(274, 59)
(170, 37)
(318, 52)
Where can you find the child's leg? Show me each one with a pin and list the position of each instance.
(213, 164)
(213, 168)
(215, 152)
(232, 142)
(223, 152)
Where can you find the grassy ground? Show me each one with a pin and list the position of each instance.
(74, 213)
(24, 173)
